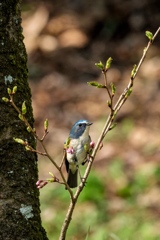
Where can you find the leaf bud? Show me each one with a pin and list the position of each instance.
(24, 109)
(66, 144)
(29, 129)
(27, 148)
(108, 63)
(133, 71)
(100, 65)
(113, 88)
(46, 125)
(109, 104)
(96, 84)
(5, 99)
(14, 90)
(18, 140)
(34, 130)
(21, 117)
(149, 35)
(9, 91)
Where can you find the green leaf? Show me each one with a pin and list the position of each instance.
(24, 109)
(100, 65)
(27, 148)
(46, 124)
(5, 99)
(29, 129)
(66, 144)
(133, 71)
(95, 84)
(14, 90)
(108, 63)
(113, 88)
(9, 91)
(149, 35)
(21, 117)
(18, 140)
(51, 180)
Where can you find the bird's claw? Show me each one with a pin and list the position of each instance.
(83, 180)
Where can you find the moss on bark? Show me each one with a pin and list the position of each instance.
(19, 197)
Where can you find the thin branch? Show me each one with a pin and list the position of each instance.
(59, 169)
(122, 99)
(106, 128)
(63, 159)
(43, 146)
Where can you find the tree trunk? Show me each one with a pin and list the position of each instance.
(19, 197)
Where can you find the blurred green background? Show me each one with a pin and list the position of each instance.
(64, 39)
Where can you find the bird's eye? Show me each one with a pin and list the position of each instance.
(80, 125)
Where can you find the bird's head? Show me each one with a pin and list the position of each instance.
(79, 128)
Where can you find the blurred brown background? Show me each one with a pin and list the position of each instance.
(64, 40)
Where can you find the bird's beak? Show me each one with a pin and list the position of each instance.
(89, 123)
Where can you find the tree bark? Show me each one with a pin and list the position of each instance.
(19, 197)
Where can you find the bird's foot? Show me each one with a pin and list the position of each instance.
(87, 160)
(83, 180)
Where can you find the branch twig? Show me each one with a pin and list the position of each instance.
(123, 97)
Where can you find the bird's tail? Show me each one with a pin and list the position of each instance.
(72, 179)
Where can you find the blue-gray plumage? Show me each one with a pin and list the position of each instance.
(77, 148)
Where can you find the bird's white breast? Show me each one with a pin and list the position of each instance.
(79, 151)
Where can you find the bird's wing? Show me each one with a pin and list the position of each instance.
(67, 164)
(66, 145)
(87, 145)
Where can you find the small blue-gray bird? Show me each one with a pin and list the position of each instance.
(77, 147)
